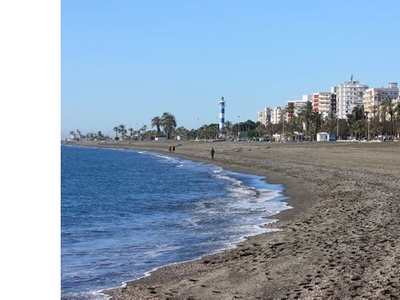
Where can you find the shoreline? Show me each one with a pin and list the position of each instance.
(338, 241)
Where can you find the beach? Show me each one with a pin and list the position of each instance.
(339, 240)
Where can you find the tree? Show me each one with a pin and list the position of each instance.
(396, 117)
(168, 123)
(143, 131)
(329, 123)
(116, 129)
(181, 131)
(388, 109)
(130, 129)
(156, 122)
(290, 111)
(356, 121)
(316, 118)
(294, 126)
(228, 127)
(122, 130)
(306, 116)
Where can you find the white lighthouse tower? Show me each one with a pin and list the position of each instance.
(222, 114)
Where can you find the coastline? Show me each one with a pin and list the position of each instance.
(338, 241)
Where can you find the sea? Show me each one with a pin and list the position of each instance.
(125, 213)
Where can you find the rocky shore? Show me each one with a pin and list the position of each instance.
(340, 240)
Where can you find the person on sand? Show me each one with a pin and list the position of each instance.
(212, 153)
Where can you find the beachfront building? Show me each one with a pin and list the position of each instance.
(298, 104)
(264, 116)
(270, 115)
(324, 103)
(277, 115)
(348, 96)
(373, 97)
(322, 137)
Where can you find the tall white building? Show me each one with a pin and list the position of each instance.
(298, 104)
(271, 115)
(264, 116)
(349, 95)
(277, 115)
(373, 97)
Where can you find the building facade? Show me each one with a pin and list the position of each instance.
(324, 103)
(373, 97)
(277, 115)
(298, 104)
(264, 116)
(348, 96)
(271, 115)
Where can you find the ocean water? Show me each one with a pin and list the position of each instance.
(126, 213)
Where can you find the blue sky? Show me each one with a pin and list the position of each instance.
(125, 62)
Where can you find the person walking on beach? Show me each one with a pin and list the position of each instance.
(212, 153)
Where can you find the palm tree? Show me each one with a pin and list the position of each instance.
(306, 116)
(144, 128)
(122, 130)
(156, 122)
(228, 127)
(387, 109)
(317, 121)
(374, 109)
(290, 111)
(168, 123)
(130, 129)
(355, 120)
(181, 131)
(329, 123)
(397, 117)
(358, 112)
(143, 131)
(116, 129)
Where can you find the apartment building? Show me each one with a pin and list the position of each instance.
(277, 115)
(299, 104)
(324, 102)
(264, 116)
(373, 96)
(349, 95)
(271, 115)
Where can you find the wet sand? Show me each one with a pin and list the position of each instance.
(340, 240)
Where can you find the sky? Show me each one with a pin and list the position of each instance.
(125, 62)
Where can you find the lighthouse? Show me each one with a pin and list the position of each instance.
(221, 114)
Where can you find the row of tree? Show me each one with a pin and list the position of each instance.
(360, 123)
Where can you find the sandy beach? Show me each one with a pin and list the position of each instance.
(339, 241)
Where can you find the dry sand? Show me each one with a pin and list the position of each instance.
(340, 240)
